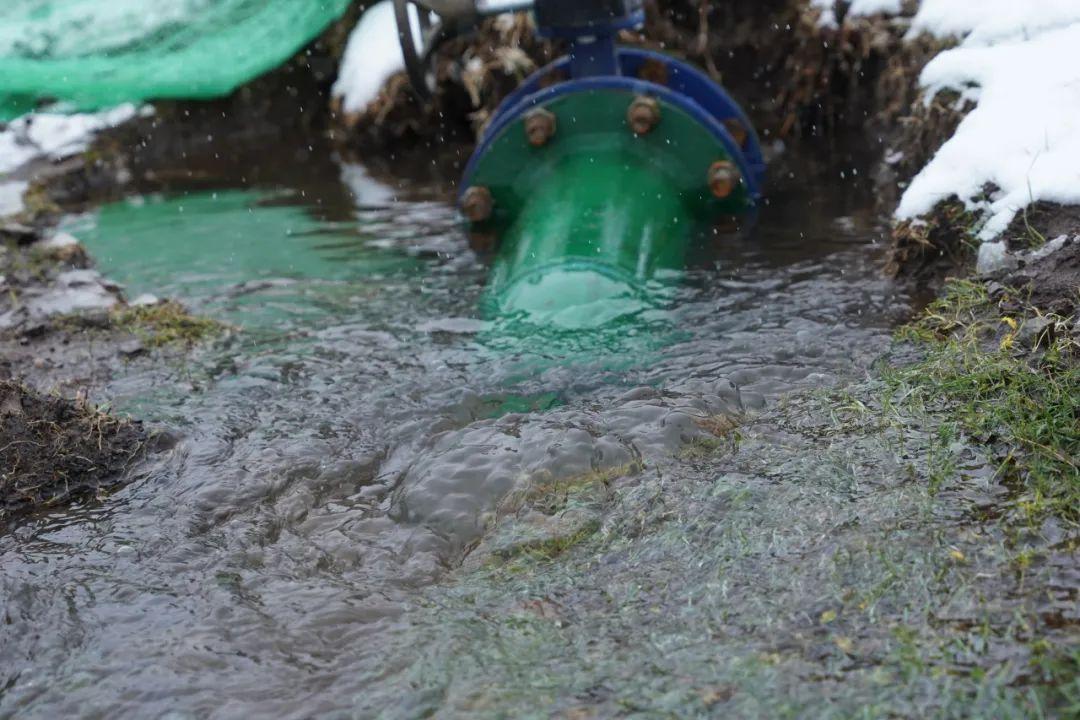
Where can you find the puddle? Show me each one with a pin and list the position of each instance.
(337, 458)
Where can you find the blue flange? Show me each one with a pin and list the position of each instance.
(683, 86)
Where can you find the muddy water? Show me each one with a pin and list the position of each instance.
(306, 543)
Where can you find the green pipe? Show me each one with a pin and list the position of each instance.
(593, 221)
(588, 242)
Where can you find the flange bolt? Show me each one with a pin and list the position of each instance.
(723, 178)
(477, 204)
(643, 114)
(539, 126)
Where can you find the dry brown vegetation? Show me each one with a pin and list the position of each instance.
(54, 449)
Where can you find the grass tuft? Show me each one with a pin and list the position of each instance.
(543, 548)
(54, 449)
(1023, 403)
(166, 323)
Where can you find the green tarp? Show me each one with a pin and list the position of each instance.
(91, 54)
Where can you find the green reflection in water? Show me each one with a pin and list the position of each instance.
(237, 257)
(598, 299)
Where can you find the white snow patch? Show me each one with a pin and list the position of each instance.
(987, 22)
(1021, 63)
(145, 300)
(993, 256)
(59, 240)
(73, 291)
(372, 55)
(55, 135)
(871, 7)
(456, 326)
(857, 8)
(11, 194)
(366, 190)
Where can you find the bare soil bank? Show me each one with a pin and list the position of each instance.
(54, 450)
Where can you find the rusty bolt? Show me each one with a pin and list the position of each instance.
(539, 126)
(723, 178)
(643, 114)
(737, 131)
(477, 204)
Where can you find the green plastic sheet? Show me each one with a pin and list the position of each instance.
(91, 54)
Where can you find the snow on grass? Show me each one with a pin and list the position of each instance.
(372, 55)
(54, 135)
(1020, 62)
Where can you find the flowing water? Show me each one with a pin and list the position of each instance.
(315, 535)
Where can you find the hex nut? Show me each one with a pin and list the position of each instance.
(540, 126)
(643, 114)
(723, 178)
(477, 203)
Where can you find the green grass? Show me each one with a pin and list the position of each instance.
(1035, 238)
(1056, 673)
(700, 447)
(1025, 403)
(521, 544)
(166, 323)
(520, 556)
(553, 494)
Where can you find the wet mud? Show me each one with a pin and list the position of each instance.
(1052, 278)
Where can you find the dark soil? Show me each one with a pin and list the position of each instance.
(1052, 281)
(1041, 222)
(941, 244)
(54, 450)
(933, 247)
